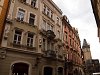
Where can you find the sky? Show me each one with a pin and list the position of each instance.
(80, 15)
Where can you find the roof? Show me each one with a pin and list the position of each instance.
(85, 44)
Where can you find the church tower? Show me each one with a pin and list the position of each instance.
(86, 51)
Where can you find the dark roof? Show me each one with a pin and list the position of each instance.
(85, 44)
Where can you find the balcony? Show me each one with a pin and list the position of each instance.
(23, 47)
(50, 34)
(43, 32)
(50, 54)
(60, 56)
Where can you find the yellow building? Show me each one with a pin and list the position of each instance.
(3, 10)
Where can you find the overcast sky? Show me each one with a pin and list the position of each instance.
(80, 15)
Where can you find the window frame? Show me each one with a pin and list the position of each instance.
(15, 41)
(32, 19)
(20, 17)
(34, 3)
(31, 39)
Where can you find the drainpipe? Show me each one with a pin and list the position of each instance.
(4, 23)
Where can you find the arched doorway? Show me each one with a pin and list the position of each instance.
(20, 69)
(60, 71)
(48, 71)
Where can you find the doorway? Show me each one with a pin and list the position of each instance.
(20, 69)
(48, 71)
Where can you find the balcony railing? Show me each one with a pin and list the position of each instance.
(50, 54)
(24, 47)
(50, 34)
(43, 32)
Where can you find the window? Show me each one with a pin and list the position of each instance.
(57, 20)
(33, 3)
(44, 44)
(48, 45)
(48, 12)
(44, 9)
(20, 15)
(44, 25)
(31, 19)
(66, 36)
(51, 15)
(30, 40)
(17, 37)
(70, 42)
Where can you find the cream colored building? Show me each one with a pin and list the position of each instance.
(32, 39)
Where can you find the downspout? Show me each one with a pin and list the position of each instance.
(4, 23)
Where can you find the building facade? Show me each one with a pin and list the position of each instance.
(96, 11)
(38, 40)
(3, 10)
(72, 48)
(32, 39)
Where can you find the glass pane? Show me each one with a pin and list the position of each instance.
(15, 37)
(19, 38)
(28, 40)
(31, 41)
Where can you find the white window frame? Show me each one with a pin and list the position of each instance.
(21, 14)
(32, 18)
(33, 3)
(29, 44)
(35, 21)
(17, 37)
(45, 8)
(24, 14)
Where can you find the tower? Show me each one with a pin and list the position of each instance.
(86, 51)
(87, 58)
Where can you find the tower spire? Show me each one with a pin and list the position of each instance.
(85, 44)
